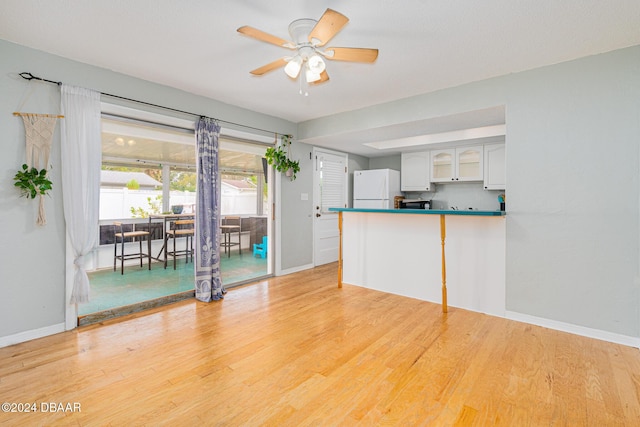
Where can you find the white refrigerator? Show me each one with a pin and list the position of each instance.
(376, 188)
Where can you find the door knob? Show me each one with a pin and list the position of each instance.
(318, 215)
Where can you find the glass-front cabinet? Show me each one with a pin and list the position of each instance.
(469, 163)
(457, 164)
(442, 165)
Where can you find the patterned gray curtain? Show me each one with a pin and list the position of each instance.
(207, 240)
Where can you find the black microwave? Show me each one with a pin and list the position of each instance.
(415, 204)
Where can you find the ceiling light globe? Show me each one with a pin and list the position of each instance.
(292, 69)
(311, 76)
(316, 63)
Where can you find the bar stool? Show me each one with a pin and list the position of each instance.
(231, 224)
(179, 228)
(122, 235)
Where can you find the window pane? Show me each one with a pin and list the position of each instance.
(332, 182)
(129, 192)
(182, 185)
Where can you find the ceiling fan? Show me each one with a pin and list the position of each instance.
(309, 38)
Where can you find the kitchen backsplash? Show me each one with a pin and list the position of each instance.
(460, 196)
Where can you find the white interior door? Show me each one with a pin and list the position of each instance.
(330, 191)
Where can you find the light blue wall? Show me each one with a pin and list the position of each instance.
(296, 222)
(573, 228)
(573, 138)
(356, 163)
(388, 162)
(32, 258)
(573, 161)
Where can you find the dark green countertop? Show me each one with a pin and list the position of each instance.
(421, 211)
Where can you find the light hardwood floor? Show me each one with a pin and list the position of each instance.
(296, 350)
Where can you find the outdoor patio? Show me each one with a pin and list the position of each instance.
(111, 290)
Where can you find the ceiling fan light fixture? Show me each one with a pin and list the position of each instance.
(292, 69)
(308, 38)
(311, 76)
(316, 64)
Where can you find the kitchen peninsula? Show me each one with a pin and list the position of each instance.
(400, 251)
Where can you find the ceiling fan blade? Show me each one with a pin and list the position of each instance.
(353, 54)
(328, 26)
(265, 37)
(269, 67)
(324, 76)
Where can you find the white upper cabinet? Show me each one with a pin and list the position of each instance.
(442, 165)
(414, 173)
(457, 164)
(495, 167)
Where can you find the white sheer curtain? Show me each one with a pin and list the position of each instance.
(81, 162)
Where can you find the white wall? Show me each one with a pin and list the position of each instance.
(573, 162)
(475, 250)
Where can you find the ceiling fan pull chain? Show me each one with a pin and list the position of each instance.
(305, 93)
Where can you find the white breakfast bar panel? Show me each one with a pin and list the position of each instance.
(400, 252)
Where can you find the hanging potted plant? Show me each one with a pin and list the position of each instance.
(281, 159)
(32, 182)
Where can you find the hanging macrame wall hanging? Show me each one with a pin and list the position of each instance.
(32, 179)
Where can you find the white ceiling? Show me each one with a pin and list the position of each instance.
(425, 45)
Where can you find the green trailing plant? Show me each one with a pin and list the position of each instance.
(32, 182)
(279, 157)
(154, 208)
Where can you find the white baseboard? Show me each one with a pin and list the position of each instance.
(512, 315)
(575, 329)
(294, 270)
(31, 335)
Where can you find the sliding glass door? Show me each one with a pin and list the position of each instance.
(148, 175)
